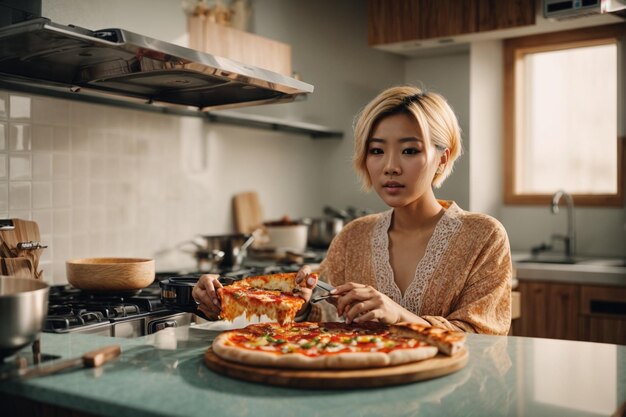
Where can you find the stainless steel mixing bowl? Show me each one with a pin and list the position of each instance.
(23, 309)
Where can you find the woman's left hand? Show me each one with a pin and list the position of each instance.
(358, 303)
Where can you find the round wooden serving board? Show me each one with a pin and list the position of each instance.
(339, 378)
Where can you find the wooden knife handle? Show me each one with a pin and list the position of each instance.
(99, 357)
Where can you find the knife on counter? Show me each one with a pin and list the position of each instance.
(92, 359)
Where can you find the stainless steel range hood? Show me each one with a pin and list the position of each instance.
(73, 60)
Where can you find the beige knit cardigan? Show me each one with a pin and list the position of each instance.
(462, 282)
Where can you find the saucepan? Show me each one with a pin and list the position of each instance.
(23, 309)
(323, 230)
(225, 251)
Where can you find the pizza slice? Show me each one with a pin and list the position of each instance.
(447, 341)
(269, 295)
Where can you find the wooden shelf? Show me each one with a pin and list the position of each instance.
(270, 123)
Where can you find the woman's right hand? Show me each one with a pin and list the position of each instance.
(205, 293)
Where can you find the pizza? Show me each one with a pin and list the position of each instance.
(449, 342)
(328, 345)
(269, 295)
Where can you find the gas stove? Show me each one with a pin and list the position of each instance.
(116, 314)
(128, 315)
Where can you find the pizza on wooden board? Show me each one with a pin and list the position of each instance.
(333, 345)
(269, 295)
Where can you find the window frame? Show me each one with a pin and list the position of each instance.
(514, 50)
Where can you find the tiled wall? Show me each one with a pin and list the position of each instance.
(99, 181)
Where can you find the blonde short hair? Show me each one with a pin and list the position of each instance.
(436, 119)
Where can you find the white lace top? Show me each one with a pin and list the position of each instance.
(446, 227)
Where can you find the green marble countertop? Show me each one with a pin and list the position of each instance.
(164, 375)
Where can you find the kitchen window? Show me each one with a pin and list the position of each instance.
(562, 116)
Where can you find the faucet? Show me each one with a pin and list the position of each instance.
(569, 239)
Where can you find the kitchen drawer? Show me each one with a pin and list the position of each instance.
(607, 302)
(603, 314)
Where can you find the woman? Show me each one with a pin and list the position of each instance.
(424, 260)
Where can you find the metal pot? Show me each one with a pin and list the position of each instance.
(227, 251)
(323, 230)
(23, 309)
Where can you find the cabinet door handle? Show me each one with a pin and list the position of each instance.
(617, 308)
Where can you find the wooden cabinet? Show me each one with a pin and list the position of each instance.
(407, 20)
(572, 311)
(498, 14)
(603, 314)
(548, 310)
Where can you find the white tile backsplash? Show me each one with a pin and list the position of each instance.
(97, 194)
(80, 193)
(20, 166)
(80, 220)
(61, 166)
(19, 197)
(97, 222)
(4, 105)
(4, 166)
(42, 165)
(48, 272)
(62, 139)
(89, 115)
(105, 181)
(80, 138)
(113, 168)
(97, 141)
(80, 166)
(4, 198)
(44, 221)
(62, 222)
(114, 143)
(50, 111)
(62, 194)
(42, 137)
(3, 136)
(57, 271)
(19, 137)
(42, 195)
(98, 167)
(81, 246)
(19, 107)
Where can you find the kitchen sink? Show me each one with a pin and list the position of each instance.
(610, 262)
(567, 261)
(604, 262)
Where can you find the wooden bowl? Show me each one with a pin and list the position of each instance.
(110, 274)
